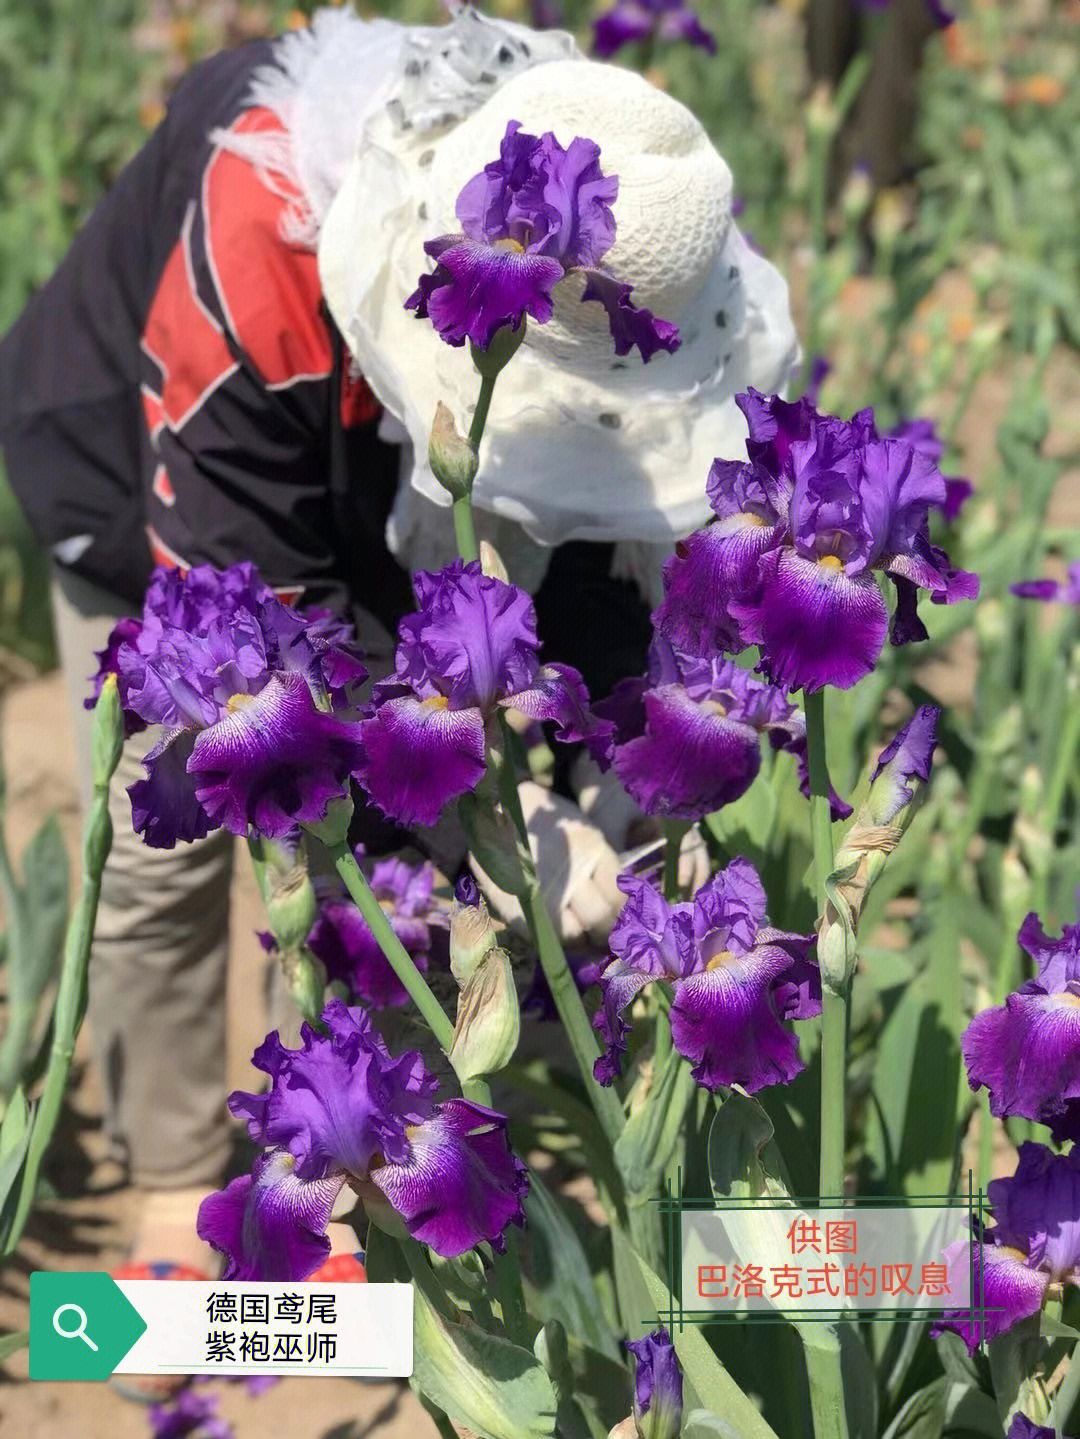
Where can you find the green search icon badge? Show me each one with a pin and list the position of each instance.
(79, 1332)
(81, 1326)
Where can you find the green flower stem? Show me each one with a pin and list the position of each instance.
(564, 991)
(465, 529)
(70, 1007)
(397, 955)
(483, 404)
(1066, 772)
(1066, 1396)
(507, 1269)
(834, 1001)
(674, 834)
(823, 1356)
(464, 522)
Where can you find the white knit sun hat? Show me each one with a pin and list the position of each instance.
(579, 444)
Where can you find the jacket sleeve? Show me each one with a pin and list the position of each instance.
(240, 391)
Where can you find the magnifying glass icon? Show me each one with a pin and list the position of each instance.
(79, 1332)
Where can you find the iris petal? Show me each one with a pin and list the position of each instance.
(461, 1183)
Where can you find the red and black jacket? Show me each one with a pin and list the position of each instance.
(177, 393)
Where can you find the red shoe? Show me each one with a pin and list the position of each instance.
(154, 1388)
(340, 1269)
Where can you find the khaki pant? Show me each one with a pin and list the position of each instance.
(158, 965)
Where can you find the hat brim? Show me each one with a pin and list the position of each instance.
(617, 454)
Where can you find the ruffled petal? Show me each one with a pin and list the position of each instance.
(338, 1102)
(707, 570)
(1026, 1053)
(269, 1224)
(1037, 1209)
(1058, 960)
(691, 758)
(472, 640)
(558, 694)
(816, 625)
(420, 755)
(275, 761)
(461, 1183)
(620, 984)
(729, 910)
(476, 289)
(164, 806)
(629, 325)
(1012, 1291)
(724, 1021)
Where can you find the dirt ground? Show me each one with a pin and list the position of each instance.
(89, 1225)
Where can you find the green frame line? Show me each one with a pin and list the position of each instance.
(673, 1206)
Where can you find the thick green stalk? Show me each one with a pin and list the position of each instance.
(397, 955)
(549, 950)
(480, 414)
(1066, 1396)
(823, 1353)
(465, 529)
(70, 1006)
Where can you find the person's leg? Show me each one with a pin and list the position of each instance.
(157, 975)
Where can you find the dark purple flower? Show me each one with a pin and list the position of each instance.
(341, 939)
(124, 632)
(528, 220)
(688, 739)
(658, 1387)
(189, 1414)
(734, 980)
(249, 694)
(802, 526)
(632, 20)
(469, 650)
(1024, 1428)
(1027, 1051)
(1034, 1243)
(342, 1109)
(1067, 593)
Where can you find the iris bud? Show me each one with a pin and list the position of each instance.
(292, 909)
(488, 1022)
(452, 457)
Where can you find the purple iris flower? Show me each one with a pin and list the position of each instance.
(687, 739)
(190, 1413)
(1067, 593)
(938, 13)
(658, 1386)
(247, 692)
(1024, 1428)
(820, 505)
(469, 650)
(1033, 1245)
(921, 435)
(734, 980)
(1027, 1051)
(528, 220)
(632, 20)
(341, 1110)
(349, 951)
